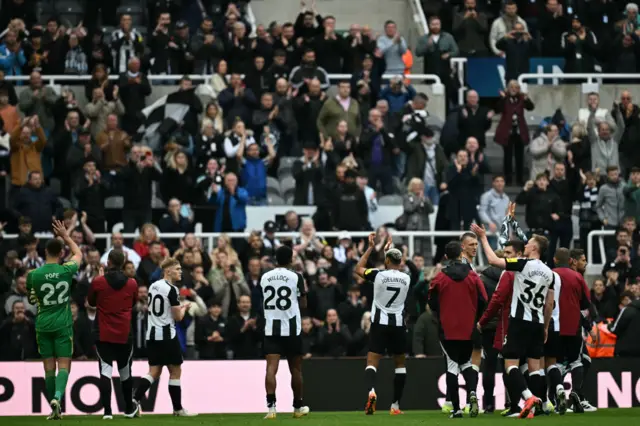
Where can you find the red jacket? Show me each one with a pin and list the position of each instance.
(509, 108)
(457, 295)
(500, 301)
(113, 295)
(574, 297)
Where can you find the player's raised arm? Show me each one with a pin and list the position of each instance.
(361, 267)
(61, 231)
(488, 251)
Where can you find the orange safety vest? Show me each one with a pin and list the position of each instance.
(407, 59)
(603, 346)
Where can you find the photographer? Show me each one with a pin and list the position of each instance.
(518, 47)
(231, 202)
(470, 29)
(137, 178)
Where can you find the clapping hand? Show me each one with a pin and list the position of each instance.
(389, 243)
(479, 231)
(372, 240)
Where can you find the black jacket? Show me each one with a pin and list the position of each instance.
(474, 124)
(329, 53)
(490, 278)
(91, 197)
(517, 56)
(627, 328)
(351, 209)
(244, 344)
(551, 29)
(137, 184)
(305, 176)
(205, 327)
(364, 147)
(18, 340)
(306, 114)
(40, 204)
(539, 207)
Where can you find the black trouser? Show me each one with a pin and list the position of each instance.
(585, 228)
(514, 147)
(562, 232)
(134, 219)
(489, 367)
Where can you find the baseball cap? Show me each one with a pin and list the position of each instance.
(344, 235)
(270, 226)
(180, 25)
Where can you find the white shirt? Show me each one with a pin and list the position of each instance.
(131, 255)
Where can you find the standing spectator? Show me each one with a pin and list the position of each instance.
(99, 79)
(137, 178)
(334, 337)
(392, 46)
(610, 204)
(256, 79)
(11, 91)
(39, 100)
(210, 334)
(626, 328)
(126, 44)
(350, 206)
(134, 89)
(416, 209)
(278, 69)
(330, 47)
(231, 202)
(17, 336)
(175, 222)
(588, 215)
(180, 55)
(342, 107)
(543, 207)
(493, 205)
(474, 120)
(579, 149)
(425, 342)
(79, 153)
(160, 52)
(629, 141)
(512, 132)
(593, 105)
(358, 46)
(547, 150)
(580, 48)
(242, 331)
(150, 264)
(470, 28)
(552, 24)
(206, 48)
(75, 61)
(461, 181)
(25, 154)
(99, 109)
(632, 195)
(12, 57)
(377, 148)
(114, 144)
(564, 185)
(504, 25)
(19, 292)
(604, 144)
(239, 51)
(98, 52)
(236, 137)
(91, 191)
(177, 180)
(308, 175)
(308, 70)
(38, 203)
(428, 162)
(237, 101)
(397, 94)
(307, 108)
(477, 158)
(117, 241)
(437, 48)
(518, 47)
(253, 175)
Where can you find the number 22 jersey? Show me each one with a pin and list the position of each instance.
(390, 288)
(50, 287)
(533, 279)
(281, 289)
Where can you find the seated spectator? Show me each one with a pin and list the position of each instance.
(504, 25)
(253, 172)
(38, 100)
(19, 294)
(210, 334)
(220, 79)
(117, 242)
(213, 113)
(470, 28)
(18, 336)
(175, 222)
(75, 62)
(397, 94)
(114, 144)
(12, 57)
(334, 337)
(547, 150)
(237, 101)
(99, 109)
(37, 202)
(392, 46)
(308, 70)
(231, 202)
(177, 181)
(308, 175)
(243, 332)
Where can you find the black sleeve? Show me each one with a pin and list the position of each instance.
(301, 289)
(371, 274)
(516, 265)
(173, 297)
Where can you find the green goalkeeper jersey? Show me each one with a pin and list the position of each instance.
(50, 287)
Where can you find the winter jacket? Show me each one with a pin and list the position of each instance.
(545, 155)
(425, 336)
(237, 207)
(25, 157)
(605, 153)
(610, 204)
(254, 177)
(627, 328)
(632, 201)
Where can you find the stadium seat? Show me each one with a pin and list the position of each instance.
(157, 203)
(273, 186)
(286, 166)
(115, 202)
(390, 200)
(289, 200)
(107, 31)
(287, 186)
(55, 185)
(275, 200)
(69, 11)
(435, 122)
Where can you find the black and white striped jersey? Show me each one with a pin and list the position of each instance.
(533, 279)
(470, 263)
(390, 288)
(160, 324)
(281, 289)
(555, 315)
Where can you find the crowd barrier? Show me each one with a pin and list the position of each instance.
(330, 385)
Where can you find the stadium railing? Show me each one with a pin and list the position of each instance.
(600, 234)
(591, 85)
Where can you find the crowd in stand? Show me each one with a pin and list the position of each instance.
(60, 157)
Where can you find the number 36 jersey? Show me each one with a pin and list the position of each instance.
(50, 287)
(390, 288)
(281, 289)
(533, 280)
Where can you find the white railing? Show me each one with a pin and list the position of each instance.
(600, 234)
(251, 19)
(458, 66)
(590, 77)
(418, 16)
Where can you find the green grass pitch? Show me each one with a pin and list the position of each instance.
(431, 418)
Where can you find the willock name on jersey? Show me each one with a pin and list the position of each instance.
(281, 289)
(162, 296)
(533, 279)
(390, 288)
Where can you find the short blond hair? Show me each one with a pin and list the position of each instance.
(169, 263)
(412, 182)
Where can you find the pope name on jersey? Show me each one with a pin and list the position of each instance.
(390, 288)
(281, 289)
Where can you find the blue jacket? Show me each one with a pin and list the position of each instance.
(254, 177)
(397, 100)
(237, 206)
(11, 63)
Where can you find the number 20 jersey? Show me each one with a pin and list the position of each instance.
(280, 291)
(390, 288)
(533, 279)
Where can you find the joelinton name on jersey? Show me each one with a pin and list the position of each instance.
(390, 288)
(161, 325)
(533, 279)
(281, 289)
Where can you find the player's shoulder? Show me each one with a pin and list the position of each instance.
(371, 273)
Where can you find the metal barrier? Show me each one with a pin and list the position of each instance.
(590, 77)
(591, 268)
(458, 67)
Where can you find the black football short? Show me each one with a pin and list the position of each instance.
(285, 346)
(553, 346)
(387, 339)
(164, 352)
(457, 352)
(119, 353)
(572, 348)
(524, 339)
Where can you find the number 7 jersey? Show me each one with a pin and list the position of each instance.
(281, 289)
(50, 287)
(390, 288)
(532, 281)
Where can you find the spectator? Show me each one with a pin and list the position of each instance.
(25, 154)
(98, 53)
(624, 54)
(206, 48)
(235, 138)
(210, 334)
(134, 89)
(377, 148)
(437, 48)
(220, 79)
(19, 294)
(17, 336)
(175, 221)
(307, 109)
(632, 195)
(210, 176)
(350, 206)
(392, 47)
(604, 300)
(307, 71)
(8, 113)
(126, 44)
(358, 46)
(342, 107)
(610, 204)
(237, 101)
(425, 336)
(593, 106)
(477, 158)
(148, 235)
(11, 91)
(416, 211)
(231, 202)
(512, 131)
(588, 215)
(137, 178)
(629, 112)
(470, 28)
(309, 336)
(180, 55)
(242, 331)
(55, 47)
(546, 151)
(91, 191)
(253, 175)
(461, 181)
(256, 79)
(75, 62)
(38, 100)
(604, 144)
(352, 309)
(518, 47)
(626, 327)
(267, 119)
(177, 180)
(99, 79)
(542, 206)
(580, 47)
(264, 45)
(160, 53)
(117, 242)
(99, 109)
(493, 205)
(12, 57)
(334, 337)
(579, 149)
(78, 154)
(474, 120)
(397, 94)
(18, 9)
(239, 50)
(114, 144)
(308, 175)
(330, 48)
(150, 263)
(428, 162)
(564, 185)
(504, 25)
(552, 24)
(83, 344)
(369, 194)
(278, 69)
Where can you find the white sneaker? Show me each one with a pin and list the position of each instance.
(184, 413)
(271, 414)
(137, 411)
(588, 408)
(301, 412)
(447, 407)
(107, 417)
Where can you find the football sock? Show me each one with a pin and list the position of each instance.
(555, 379)
(471, 379)
(398, 384)
(517, 383)
(175, 392)
(538, 385)
(370, 377)
(577, 379)
(143, 387)
(127, 394)
(105, 394)
(61, 383)
(271, 400)
(50, 383)
(297, 403)
(453, 390)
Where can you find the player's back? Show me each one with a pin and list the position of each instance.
(390, 288)
(51, 286)
(161, 325)
(281, 288)
(533, 279)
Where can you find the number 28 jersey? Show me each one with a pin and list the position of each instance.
(390, 288)
(280, 291)
(50, 287)
(532, 281)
